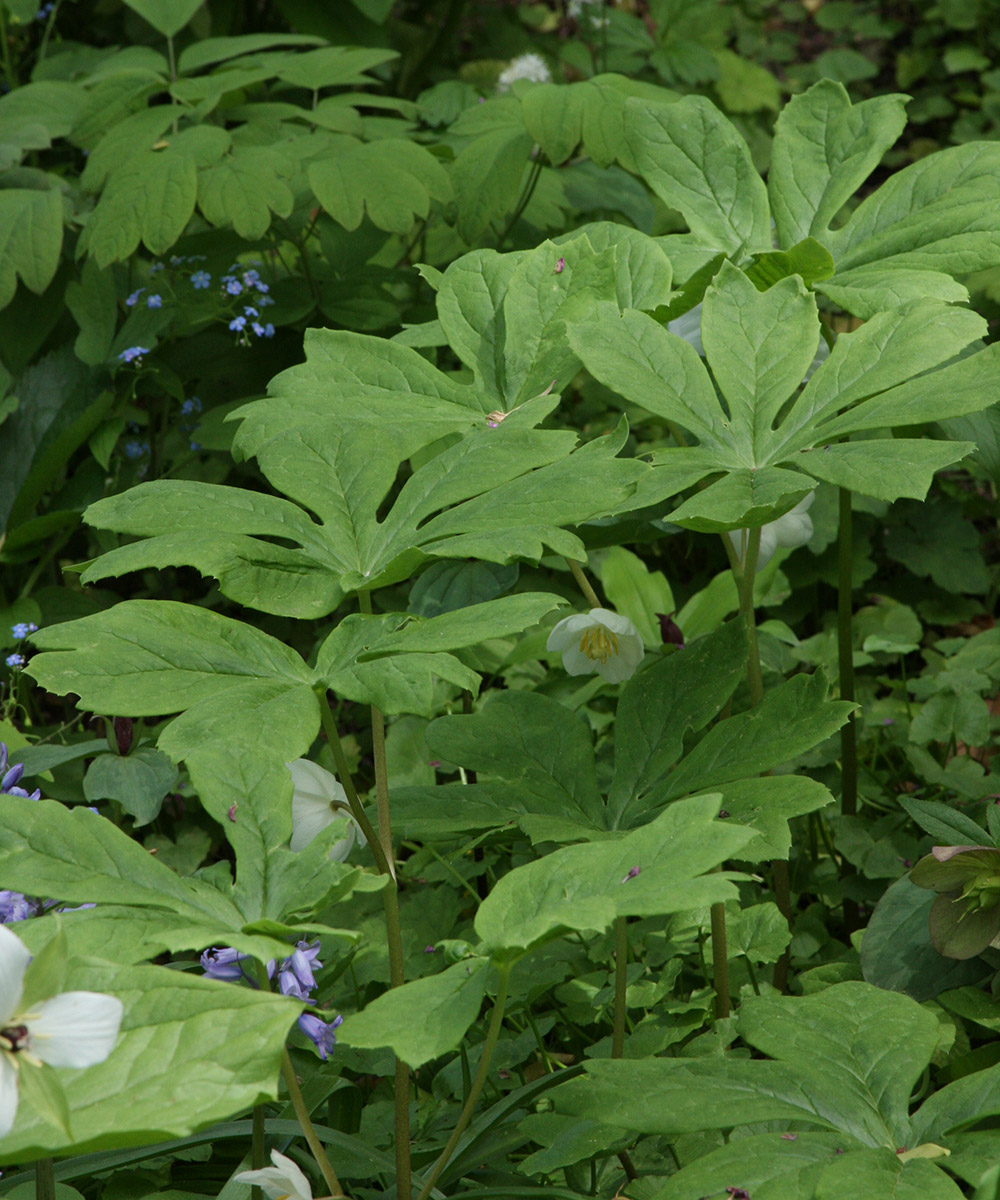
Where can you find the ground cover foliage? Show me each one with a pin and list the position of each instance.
(497, 600)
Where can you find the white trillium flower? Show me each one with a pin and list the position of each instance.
(73, 1029)
(600, 641)
(283, 1181)
(525, 66)
(794, 529)
(317, 801)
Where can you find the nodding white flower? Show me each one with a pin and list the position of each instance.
(794, 529)
(283, 1181)
(73, 1029)
(600, 641)
(317, 801)
(525, 66)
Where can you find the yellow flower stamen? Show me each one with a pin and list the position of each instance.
(598, 643)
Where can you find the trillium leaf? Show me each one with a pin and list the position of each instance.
(587, 886)
(422, 1019)
(224, 1042)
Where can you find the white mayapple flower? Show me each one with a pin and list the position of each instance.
(73, 1029)
(283, 1181)
(600, 641)
(525, 66)
(795, 528)
(317, 801)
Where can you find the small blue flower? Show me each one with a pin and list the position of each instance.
(154, 268)
(23, 629)
(177, 259)
(251, 311)
(250, 275)
(237, 324)
(261, 287)
(154, 301)
(264, 301)
(15, 661)
(43, 12)
(133, 353)
(196, 445)
(200, 279)
(295, 975)
(320, 1032)
(268, 330)
(191, 405)
(233, 286)
(133, 300)
(136, 449)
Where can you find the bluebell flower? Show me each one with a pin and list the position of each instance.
(320, 1032)
(15, 661)
(223, 962)
(23, 629)
(191, 405)
(295, 975)
(133, 300)
(15, 907)
(200, 279)
(154, 301)
(10, 777)
(133, 353)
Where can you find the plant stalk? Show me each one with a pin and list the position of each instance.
(258, 1154)
(584, 583)
(720, 960)
(621, 982)
(45, 1180)
(384, 865)
(845, 657)
(492, 1035)
(309, 1132)
(394, 937)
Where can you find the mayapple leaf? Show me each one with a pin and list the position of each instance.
(244, 188)
(771, 441)
(657, 869)
(137, 781)
(825, 147)
(225, 1043)
(808, 259)
(695, 161)
(845, 1059)
(660, 705)
(791, 719)
(422, 1019)
(75, 855)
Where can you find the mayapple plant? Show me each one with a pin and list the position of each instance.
(389, 465)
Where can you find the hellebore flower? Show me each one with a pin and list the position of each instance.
(793, 529)
(74, 1029)
(965, 916)
(317, 801)
(283, 1181)
(600, 641)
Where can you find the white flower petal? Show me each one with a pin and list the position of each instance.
(768, 545)
(575, 662)
(613, 621)
(309, 818)
(75, 1029)
(14, 959)
(283, 1179)
(310, 779)
(8, 1094)
(567, 632)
